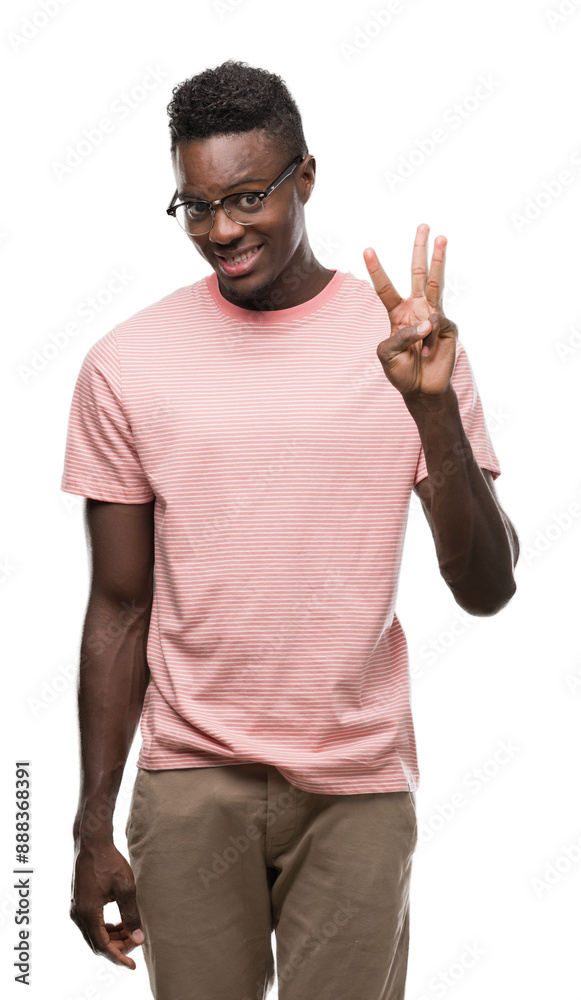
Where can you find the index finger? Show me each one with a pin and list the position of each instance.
(381, 282)
(120, 943)
(107, 939)
(420, 261)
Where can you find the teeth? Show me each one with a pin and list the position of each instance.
(240, 258)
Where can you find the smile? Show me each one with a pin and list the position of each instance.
(239, 256)
(241, 261)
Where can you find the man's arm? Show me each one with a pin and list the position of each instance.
(113, 679)
(476, 543)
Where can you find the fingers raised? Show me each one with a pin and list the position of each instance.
(420, 262)
(435, 285)
(381, 282)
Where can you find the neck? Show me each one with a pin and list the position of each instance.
(300, 280)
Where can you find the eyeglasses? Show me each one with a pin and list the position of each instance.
(246, 207)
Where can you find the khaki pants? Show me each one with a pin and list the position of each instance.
(224, 856)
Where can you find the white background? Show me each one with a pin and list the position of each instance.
(491, 873)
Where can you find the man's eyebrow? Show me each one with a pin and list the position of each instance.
(243, 180)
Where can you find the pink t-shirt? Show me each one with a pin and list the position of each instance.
(281, 460)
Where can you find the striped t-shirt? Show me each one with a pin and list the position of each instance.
(281, 461)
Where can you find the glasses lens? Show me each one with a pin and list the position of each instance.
(195, 217)
(244, 208)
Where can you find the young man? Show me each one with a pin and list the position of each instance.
(256, 436)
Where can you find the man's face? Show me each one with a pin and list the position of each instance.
(227, 164)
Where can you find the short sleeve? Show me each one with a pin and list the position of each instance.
(472, 415)
(101, 460)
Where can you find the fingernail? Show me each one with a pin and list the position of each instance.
(138, 936)
(423, 327)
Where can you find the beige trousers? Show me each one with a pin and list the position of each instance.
(225, 856)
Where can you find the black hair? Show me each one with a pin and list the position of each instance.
(235, 97)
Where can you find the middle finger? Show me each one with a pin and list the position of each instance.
(435, 284)
(420, 262)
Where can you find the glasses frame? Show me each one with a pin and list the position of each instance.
(173, 205)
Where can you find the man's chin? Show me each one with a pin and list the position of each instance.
(247, 294)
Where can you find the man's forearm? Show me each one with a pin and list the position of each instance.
(473, 544)
(113, 680)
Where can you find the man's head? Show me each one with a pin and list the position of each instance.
(235, 128)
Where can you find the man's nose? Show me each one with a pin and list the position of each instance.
(224, 229)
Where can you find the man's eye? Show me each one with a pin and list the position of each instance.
(196, 208)
(248, 201)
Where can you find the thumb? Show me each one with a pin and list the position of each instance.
(127, 903)
(433, 321)
(399, 342)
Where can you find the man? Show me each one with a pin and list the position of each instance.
(256, 436)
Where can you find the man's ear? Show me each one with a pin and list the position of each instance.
(307, 177)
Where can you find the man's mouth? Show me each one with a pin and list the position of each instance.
(240, 261)
(239, 256)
